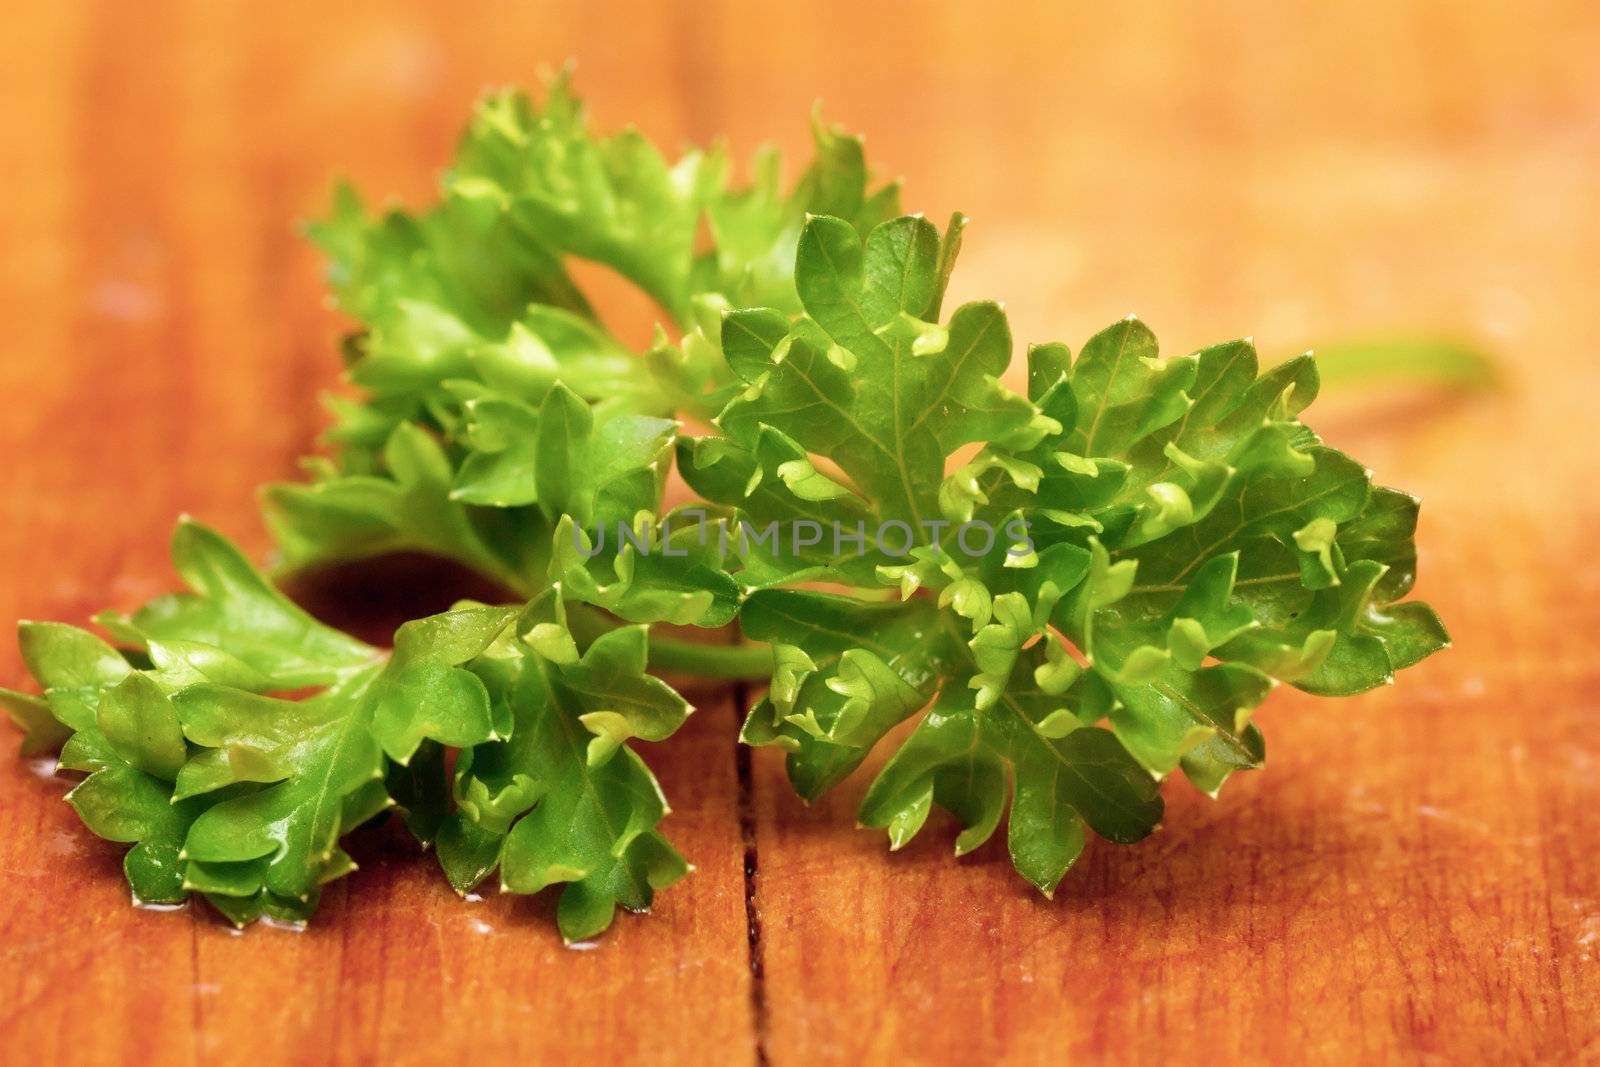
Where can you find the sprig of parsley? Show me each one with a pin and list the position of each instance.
(472, 330)
(1086, 586)
(225, 787)
(1189, 544)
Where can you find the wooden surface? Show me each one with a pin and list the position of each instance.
(1413, 877)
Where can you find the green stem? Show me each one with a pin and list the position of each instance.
(729, 662)
(741, 662)
(1440, 362)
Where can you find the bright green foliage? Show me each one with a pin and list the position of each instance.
(1103, 594)
(563, 798)
(472, 331)
(225, 788)
(217, 787)
(1080, 588)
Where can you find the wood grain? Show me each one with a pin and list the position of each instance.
(1410, 880)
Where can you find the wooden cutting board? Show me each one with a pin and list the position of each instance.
(1411, 879)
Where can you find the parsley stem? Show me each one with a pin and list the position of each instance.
(746, 661)
(731, 662)
(1440, 362)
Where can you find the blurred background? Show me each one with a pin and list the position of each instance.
(1299, 173)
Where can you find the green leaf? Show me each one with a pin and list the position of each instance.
(332, 782)
(235, 609)
(455, 257)
(599, 473)
(319, 761)
(472, 331)
(565, 799)
(140, 723)
(345, 517)
(227, 787)
(672, 572)
(421, 791)
(41, 731)
(73, 666)
(863, 379)
(1145, 542)
(121, 803)
(618, 201)
(424, 693)
(961, 759)
(847, 672)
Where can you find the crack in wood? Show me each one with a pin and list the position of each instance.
(752, 868)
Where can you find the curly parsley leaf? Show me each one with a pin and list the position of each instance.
(1142, 548)
(472, 332)
(564, 799)
(225, 786)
